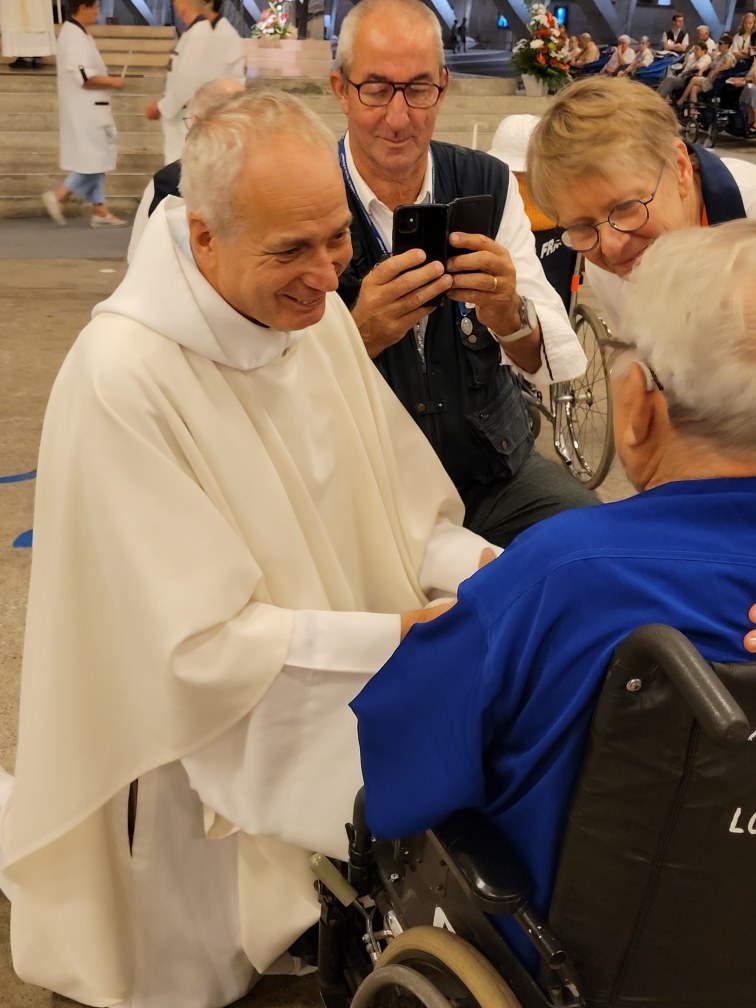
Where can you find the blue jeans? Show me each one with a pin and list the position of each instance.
(90, 188)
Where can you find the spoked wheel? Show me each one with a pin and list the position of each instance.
(584, 406)
(460, 975)
(691, 126)
(712, 134)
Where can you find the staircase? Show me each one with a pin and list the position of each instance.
(29, 117)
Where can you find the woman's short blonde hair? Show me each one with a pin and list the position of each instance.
(594, 128)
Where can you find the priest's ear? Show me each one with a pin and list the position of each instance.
(202, 240)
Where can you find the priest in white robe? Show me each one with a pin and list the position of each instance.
(27, 31)
(235, 524)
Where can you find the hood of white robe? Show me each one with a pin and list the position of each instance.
(199, 319)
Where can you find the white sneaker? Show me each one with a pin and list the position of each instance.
(53, 207)
(109, 220)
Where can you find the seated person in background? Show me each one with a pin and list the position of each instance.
(254, 522)
(675, 38)
(165, 182)
(697, 60)
(488, 707)
(588, 52)
(721, 61)
(744, 39)
(748, 96)
(621, 57)
(573, 48)
(643, 57)
(606, 148)
(703, 35)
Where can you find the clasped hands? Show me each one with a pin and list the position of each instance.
(395, 294)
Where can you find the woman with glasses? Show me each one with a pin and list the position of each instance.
(721, 61)
(607, 163)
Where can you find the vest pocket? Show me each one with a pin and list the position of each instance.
(503, 423)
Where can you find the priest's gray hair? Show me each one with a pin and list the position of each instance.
(210, 96)
(217, 147)
(379, 8)
(692, 314)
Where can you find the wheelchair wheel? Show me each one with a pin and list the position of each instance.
(583, 424)
(712, 134)
(454, 967)
(398, 985)
(691, 127)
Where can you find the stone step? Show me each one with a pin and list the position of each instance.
(118, 45)
(115, 61)
(141, 32)
(126, 101)
(130, 119)
(42, 82)
(41, 122)
(31, 206)
(145, 155)
(29, 184)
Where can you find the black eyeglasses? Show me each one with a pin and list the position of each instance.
(625, 217)
(417, 94)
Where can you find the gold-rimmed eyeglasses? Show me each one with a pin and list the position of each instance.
(625, 217)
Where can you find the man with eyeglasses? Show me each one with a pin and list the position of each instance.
(444, 363)
(607, 163)
(507, 698)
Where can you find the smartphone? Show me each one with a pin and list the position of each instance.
(423, 226)
(472, 215)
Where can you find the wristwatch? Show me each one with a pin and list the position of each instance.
(528, 322)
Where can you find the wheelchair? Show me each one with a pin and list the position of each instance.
(579, 411)
(654, 904)
(717, 111)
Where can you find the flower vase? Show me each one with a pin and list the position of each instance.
(535, 87)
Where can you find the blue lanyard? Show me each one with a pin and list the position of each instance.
(350, 183)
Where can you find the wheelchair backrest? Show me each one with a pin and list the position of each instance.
(558, 262)
(656, 890)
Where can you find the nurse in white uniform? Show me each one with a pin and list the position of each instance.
(88, 137)
(209, 49)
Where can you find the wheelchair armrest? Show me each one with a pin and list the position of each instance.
(491, 871)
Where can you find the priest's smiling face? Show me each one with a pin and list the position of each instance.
(292, 241)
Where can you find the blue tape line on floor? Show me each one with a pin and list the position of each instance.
(18, 477)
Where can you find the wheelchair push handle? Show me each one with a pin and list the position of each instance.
(330, 876)
(656, 647)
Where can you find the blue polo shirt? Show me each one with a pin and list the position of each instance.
(489, 706)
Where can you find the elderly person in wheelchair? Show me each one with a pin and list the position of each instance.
(607, 163)
(489, 706)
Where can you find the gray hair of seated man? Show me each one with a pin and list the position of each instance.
(379, 8)
(692, 315)
(218, 145)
